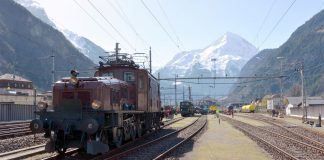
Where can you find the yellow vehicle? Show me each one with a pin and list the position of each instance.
(248, 108)
(212, 109)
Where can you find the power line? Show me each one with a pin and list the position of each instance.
(239, 77)
(169, 22)
(223, 82)
(125, 18)
(111, 24)
(168, 34)
(40, 45)
(85, 11)
(275, 26)
(265, 19)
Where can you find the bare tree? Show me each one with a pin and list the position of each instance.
(295, 90)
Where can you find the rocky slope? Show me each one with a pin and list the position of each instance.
(84, 45)
(305, 46)
(27, 44)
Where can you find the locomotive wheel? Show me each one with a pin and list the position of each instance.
(118, 139)
(59, 142)
(139, 130)
(133, 132)
(61, 150)
(104, 137)
(157, 126)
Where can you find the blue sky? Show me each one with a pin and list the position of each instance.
(197, 23)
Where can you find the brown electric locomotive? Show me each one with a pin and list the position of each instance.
(121, 102)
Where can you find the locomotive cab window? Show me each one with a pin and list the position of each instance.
(108, 74)
(129, 76)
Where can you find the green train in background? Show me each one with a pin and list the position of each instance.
(186, 108)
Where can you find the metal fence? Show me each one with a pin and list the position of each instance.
(16, 112)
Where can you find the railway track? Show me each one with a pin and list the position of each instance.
(296, 132)
(12, 129)
(38, 152)
(279, 145)
(158, 148)
(23, 153)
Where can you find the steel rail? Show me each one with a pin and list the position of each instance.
(284, 128)
(116, 156)
(10, 129)
(277, 149)
(40, 149)
(164, 154)
(317, 149)
(23, 153)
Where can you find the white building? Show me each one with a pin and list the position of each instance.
(15, 85)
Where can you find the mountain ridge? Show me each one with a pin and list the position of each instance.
(84, 45)
(224, 49)
(303, 46)
(230, 51)
(27, 44)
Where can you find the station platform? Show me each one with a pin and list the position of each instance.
(222, 141)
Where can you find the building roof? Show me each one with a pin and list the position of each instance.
(8, 76)
(275, 96)
(309, 101)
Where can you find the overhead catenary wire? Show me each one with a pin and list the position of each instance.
(51, 50)
(276, 25)
(265, 19)
(125, 18)
(112, 26)
(262, 79)
(94, 20)
(160, 24)
(169, 22)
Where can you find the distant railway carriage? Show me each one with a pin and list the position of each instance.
(186, 108)
(248, 108)
(168, 110)
(212, 109)
(121, 102)
(204, 109)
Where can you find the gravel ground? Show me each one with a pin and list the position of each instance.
(15, 143)
(293, 148)
(157, 148)
(168, 129)
(295, 129)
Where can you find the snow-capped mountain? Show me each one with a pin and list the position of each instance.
(229, 52)
(84, 45)
(36, 9)
(224, 57)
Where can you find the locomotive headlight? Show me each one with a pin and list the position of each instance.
(42, 105)
(96, 104)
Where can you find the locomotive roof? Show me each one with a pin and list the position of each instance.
(121, 60)
(105, 80)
